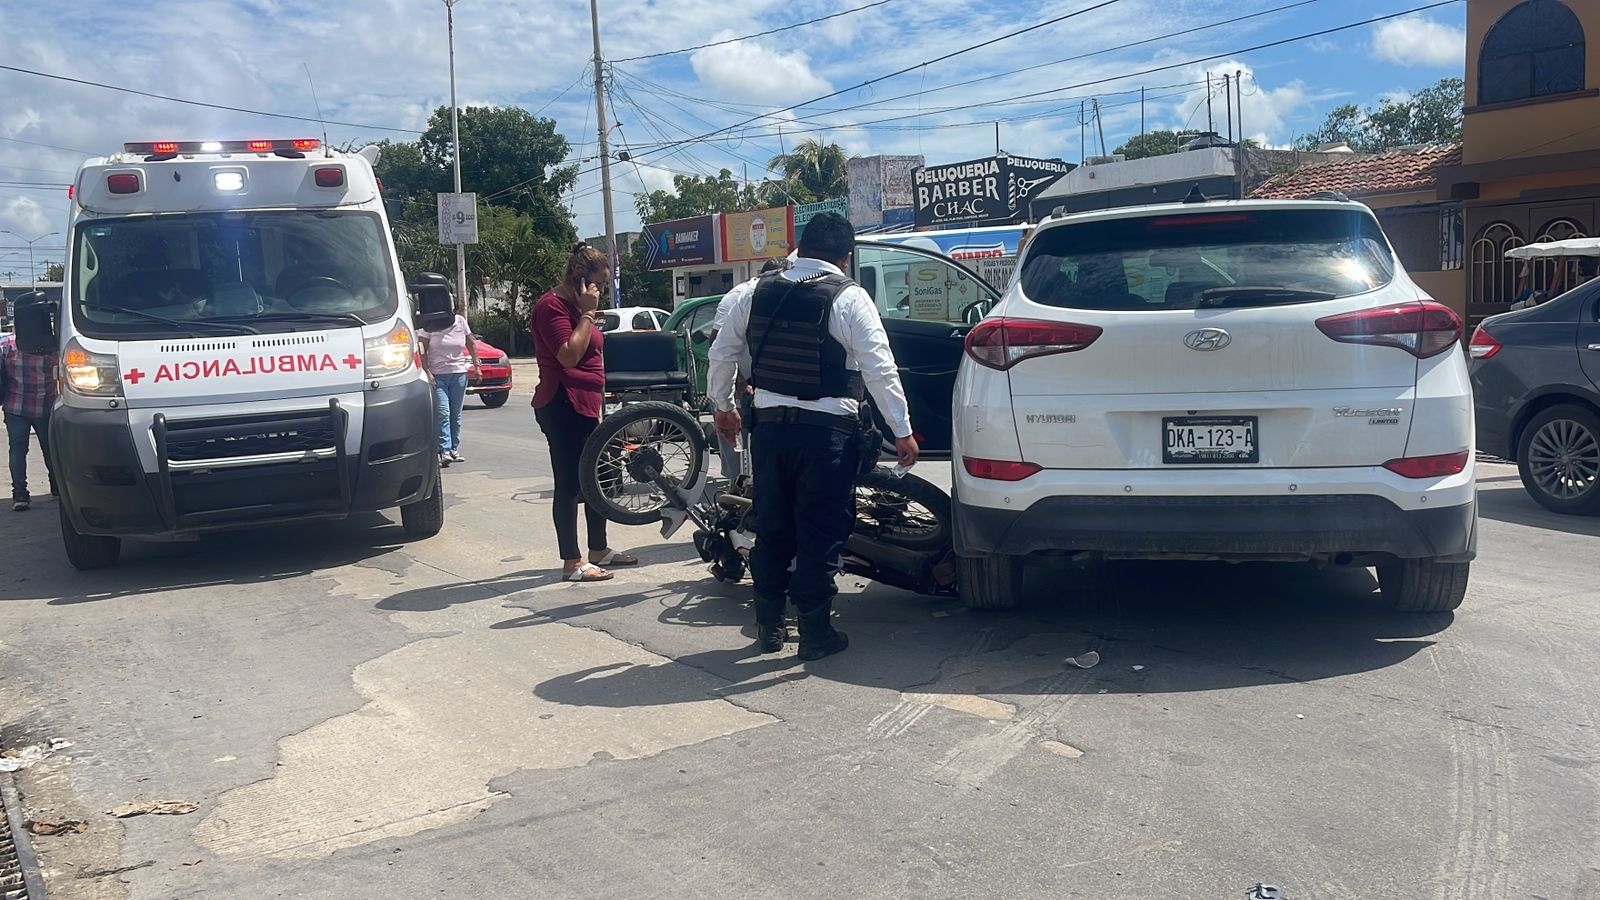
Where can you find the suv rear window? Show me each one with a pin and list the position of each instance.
(1228, 258)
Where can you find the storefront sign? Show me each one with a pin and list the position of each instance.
(683, 242)
(990, 191)
(761, 234)
(804, 214)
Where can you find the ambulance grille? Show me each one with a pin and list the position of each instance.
(224, 438)
(198, 348)
(290, 341)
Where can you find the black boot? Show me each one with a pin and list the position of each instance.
(770, 630)
(818, 637)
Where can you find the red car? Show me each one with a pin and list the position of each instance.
(493, 382)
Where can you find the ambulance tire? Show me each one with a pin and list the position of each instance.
(87, 551)
(425, 518)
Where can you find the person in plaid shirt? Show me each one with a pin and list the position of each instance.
(27, 392)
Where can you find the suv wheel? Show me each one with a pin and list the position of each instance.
(495, 400)
(87, 551)
(1558, 457)
(1423, 585)
(990, 582)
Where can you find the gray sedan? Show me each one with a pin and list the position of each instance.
(1536, 386)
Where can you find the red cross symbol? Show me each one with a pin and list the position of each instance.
(352, 361)
(132, 376)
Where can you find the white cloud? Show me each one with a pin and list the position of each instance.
(748, 71)
(1264, 110)
(1419, 41)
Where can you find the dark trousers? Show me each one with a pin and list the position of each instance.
(566, 430)
(805, 482)
(17, 428)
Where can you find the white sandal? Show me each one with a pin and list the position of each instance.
(587, 572)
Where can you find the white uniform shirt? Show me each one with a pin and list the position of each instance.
(854, 323)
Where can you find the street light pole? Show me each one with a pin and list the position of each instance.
(33, 273)
(455, 140)
(605, 153)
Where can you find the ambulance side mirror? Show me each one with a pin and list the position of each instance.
(35, 322)
(435, 304)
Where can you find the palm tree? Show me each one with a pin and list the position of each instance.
(816, 166)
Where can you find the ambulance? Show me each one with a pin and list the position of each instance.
(236, 348)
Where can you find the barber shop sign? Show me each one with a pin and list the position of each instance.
(990, 191)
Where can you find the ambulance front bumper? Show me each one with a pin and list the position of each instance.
(244, 471)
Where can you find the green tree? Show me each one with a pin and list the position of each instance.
(54, 272)
(816, 168)
(1432, 115)
(640, 286)
(1154, 143)
(695, 196)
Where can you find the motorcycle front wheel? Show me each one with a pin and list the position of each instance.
(632, 453)
(907, 511)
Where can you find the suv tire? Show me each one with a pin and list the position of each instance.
(1568, 429)
(990, 582)
(495, 400)
(87, 551)
(1423, 585)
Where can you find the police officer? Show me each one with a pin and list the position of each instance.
(815, 346)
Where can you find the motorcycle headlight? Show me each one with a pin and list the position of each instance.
(90, 374)
(392, 353)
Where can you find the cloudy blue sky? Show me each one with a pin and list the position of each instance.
(381, 66)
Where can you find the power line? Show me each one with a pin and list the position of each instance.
(747, 37)
(220, 106)
(50, 146)
(1099, 81)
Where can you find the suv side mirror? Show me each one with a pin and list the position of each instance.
(34, 317)
(435, 303)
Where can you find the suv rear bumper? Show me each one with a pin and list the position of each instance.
(1219, 527)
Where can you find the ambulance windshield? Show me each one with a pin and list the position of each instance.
(194, 273)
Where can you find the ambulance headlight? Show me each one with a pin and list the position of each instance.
(391, 353)
(228, 182)
(90, 374)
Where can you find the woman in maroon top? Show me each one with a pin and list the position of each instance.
(567, 403)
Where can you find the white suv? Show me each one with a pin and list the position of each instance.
(1255, 380)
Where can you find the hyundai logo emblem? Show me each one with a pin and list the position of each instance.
(1207, 339)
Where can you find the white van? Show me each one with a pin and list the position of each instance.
(235, 348)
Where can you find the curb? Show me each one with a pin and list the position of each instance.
(32, 880)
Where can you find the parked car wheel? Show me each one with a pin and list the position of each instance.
(1423, 585)
(495, 400)
(87, 551)
(1558, 457)
(990, 582)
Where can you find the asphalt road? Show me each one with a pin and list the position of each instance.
(357, 716)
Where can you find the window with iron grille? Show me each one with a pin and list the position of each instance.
(1535, 50)
(1452, 237)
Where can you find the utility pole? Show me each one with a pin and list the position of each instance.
(997, 139)
(1083, 135)
(1141, 110)
(455, 140)
(1210, 123)
(1241, 152)
(33, 273)
(605, 152)
(1099, 126)
(1227, 91)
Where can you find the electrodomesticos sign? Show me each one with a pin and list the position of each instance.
(988, 191)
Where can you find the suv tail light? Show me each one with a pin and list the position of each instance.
(999, 469)
(1429, 466)
(1484, 345)
(1423, 329)
(1002, 343)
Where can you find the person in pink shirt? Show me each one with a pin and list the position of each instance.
(451, 357)
(568, 402)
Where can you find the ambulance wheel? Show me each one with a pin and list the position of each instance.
(87, 551)
(425, 518)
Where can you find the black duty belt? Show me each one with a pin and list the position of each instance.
(793, 415)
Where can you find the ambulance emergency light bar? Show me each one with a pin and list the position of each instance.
(175, 148)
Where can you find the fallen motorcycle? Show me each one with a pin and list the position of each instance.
(646, 462)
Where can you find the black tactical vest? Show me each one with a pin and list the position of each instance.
(791, 350)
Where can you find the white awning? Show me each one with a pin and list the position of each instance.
(1573, 247)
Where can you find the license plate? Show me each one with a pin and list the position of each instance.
(1215, 439)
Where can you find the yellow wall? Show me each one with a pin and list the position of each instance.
(1449, 288)
(1514, 188)
(1538, 129)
